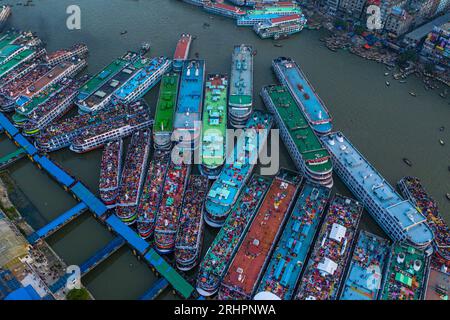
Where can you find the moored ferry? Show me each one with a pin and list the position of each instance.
(189, 106)
(406, 274)
(132, 178)
(368, 264)
(237, 169)
(79, 50)
(152, 193)
(438, 279)
(167, 220)
(143, 80)
(27, 55)
(290, 74)
(55, 107)
(305, 149)
(214, 135)
(412, 189)
(326, 265)
(396, 216)
(248, 265)
(219, 255)
(280, 27)
(137, 118)
(182, 51)
(224, 9)
(188, 243)
(165, 108)
(241, 85)
(110, 170)
(289, 257)
(5, 12)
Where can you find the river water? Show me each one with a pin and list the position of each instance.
(385, 123)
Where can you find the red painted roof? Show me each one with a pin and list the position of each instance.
(182, 50)
(285, 18)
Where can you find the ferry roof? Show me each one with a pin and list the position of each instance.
(259, 17)
(383, 194)
(190, 96)
(274, 10)
(214, 120)
(47, 78)
(182, 49)
(293, 17)
(299, 129)
(15, 61)
(37, 100)
(226, 7)
(311, 103)
(241, 81)
(254, 250)
(6, 51)
(167, 100)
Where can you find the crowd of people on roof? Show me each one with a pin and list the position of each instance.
(110, 166)
(319, 284)
(219, 255)
(429, 208)
(15, 87)
(189, 235)
(152, 191)
(132, 174)
(168, 214)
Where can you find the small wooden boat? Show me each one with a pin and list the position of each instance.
(441, 142)
(412, 93)
(388, 83)
(447, 195)
(407, 161)
(124, 32)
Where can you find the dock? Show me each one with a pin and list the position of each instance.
(155, 290)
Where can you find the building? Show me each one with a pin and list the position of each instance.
(8, 283)
(331, 6)
(386, 7)
(352, 8)
(12, 244)
(443, 6)
(398, 22)
(415, 37)
(436, 47)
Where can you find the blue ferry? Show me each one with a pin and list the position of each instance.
(289, 257)
(399, 218)
(237, 169)
(364, 277)
(290, 74)
(144, 80)
(188, 113)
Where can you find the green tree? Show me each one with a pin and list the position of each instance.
(408, 55)
(78, 294)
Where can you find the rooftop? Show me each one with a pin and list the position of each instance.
(167, 100)
(419, 33)
(241, 82)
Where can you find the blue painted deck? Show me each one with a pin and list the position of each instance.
(101, 255)
(25, 144)
(155, 290)
(54, 171)
(133, 239)
(92, 202)
(7, 125)
(57, 223)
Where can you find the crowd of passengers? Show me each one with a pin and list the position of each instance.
(15, 87)
(110, 166)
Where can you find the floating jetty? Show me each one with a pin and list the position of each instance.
(132, 178)
(152, 193)
(368, 264)
(305, 149)
(182, 51)
(188, 243)
(237, 169)
(253, 254)
(313, 108)
(219, 255)
(406, 273)
(214, 135)
(110, 171)
(413, 190)
(241, 85)
(168, 217)
(289, 257)
(326, 265)
(165, 108)
(398, 218)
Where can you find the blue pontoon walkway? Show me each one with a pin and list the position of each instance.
(57, 223)
(158, 287)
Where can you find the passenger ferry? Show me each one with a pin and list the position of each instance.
(280, 27)
(241, 85)
(224, 9)
(406, 274)
(412, 189)
(306, 150)
(19, 59)
(237, 169)
(326, 265)
(102, 96)
(214, 135)
(365, 275)
(188, 243)
(164, 114)
(250, 261)
(189, 107)
(5, 12)
(143, 80)
(182, 51)
(219, 255)
(265, 12)
(132, 178)
(138, 118)
(79, 50)
(397, 217)
(167, 220)
(290, 74)
(152, 193)
(289, 257)
(54, 108)
(110, 170)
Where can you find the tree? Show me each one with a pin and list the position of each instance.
(78, 294)
(408, 55)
